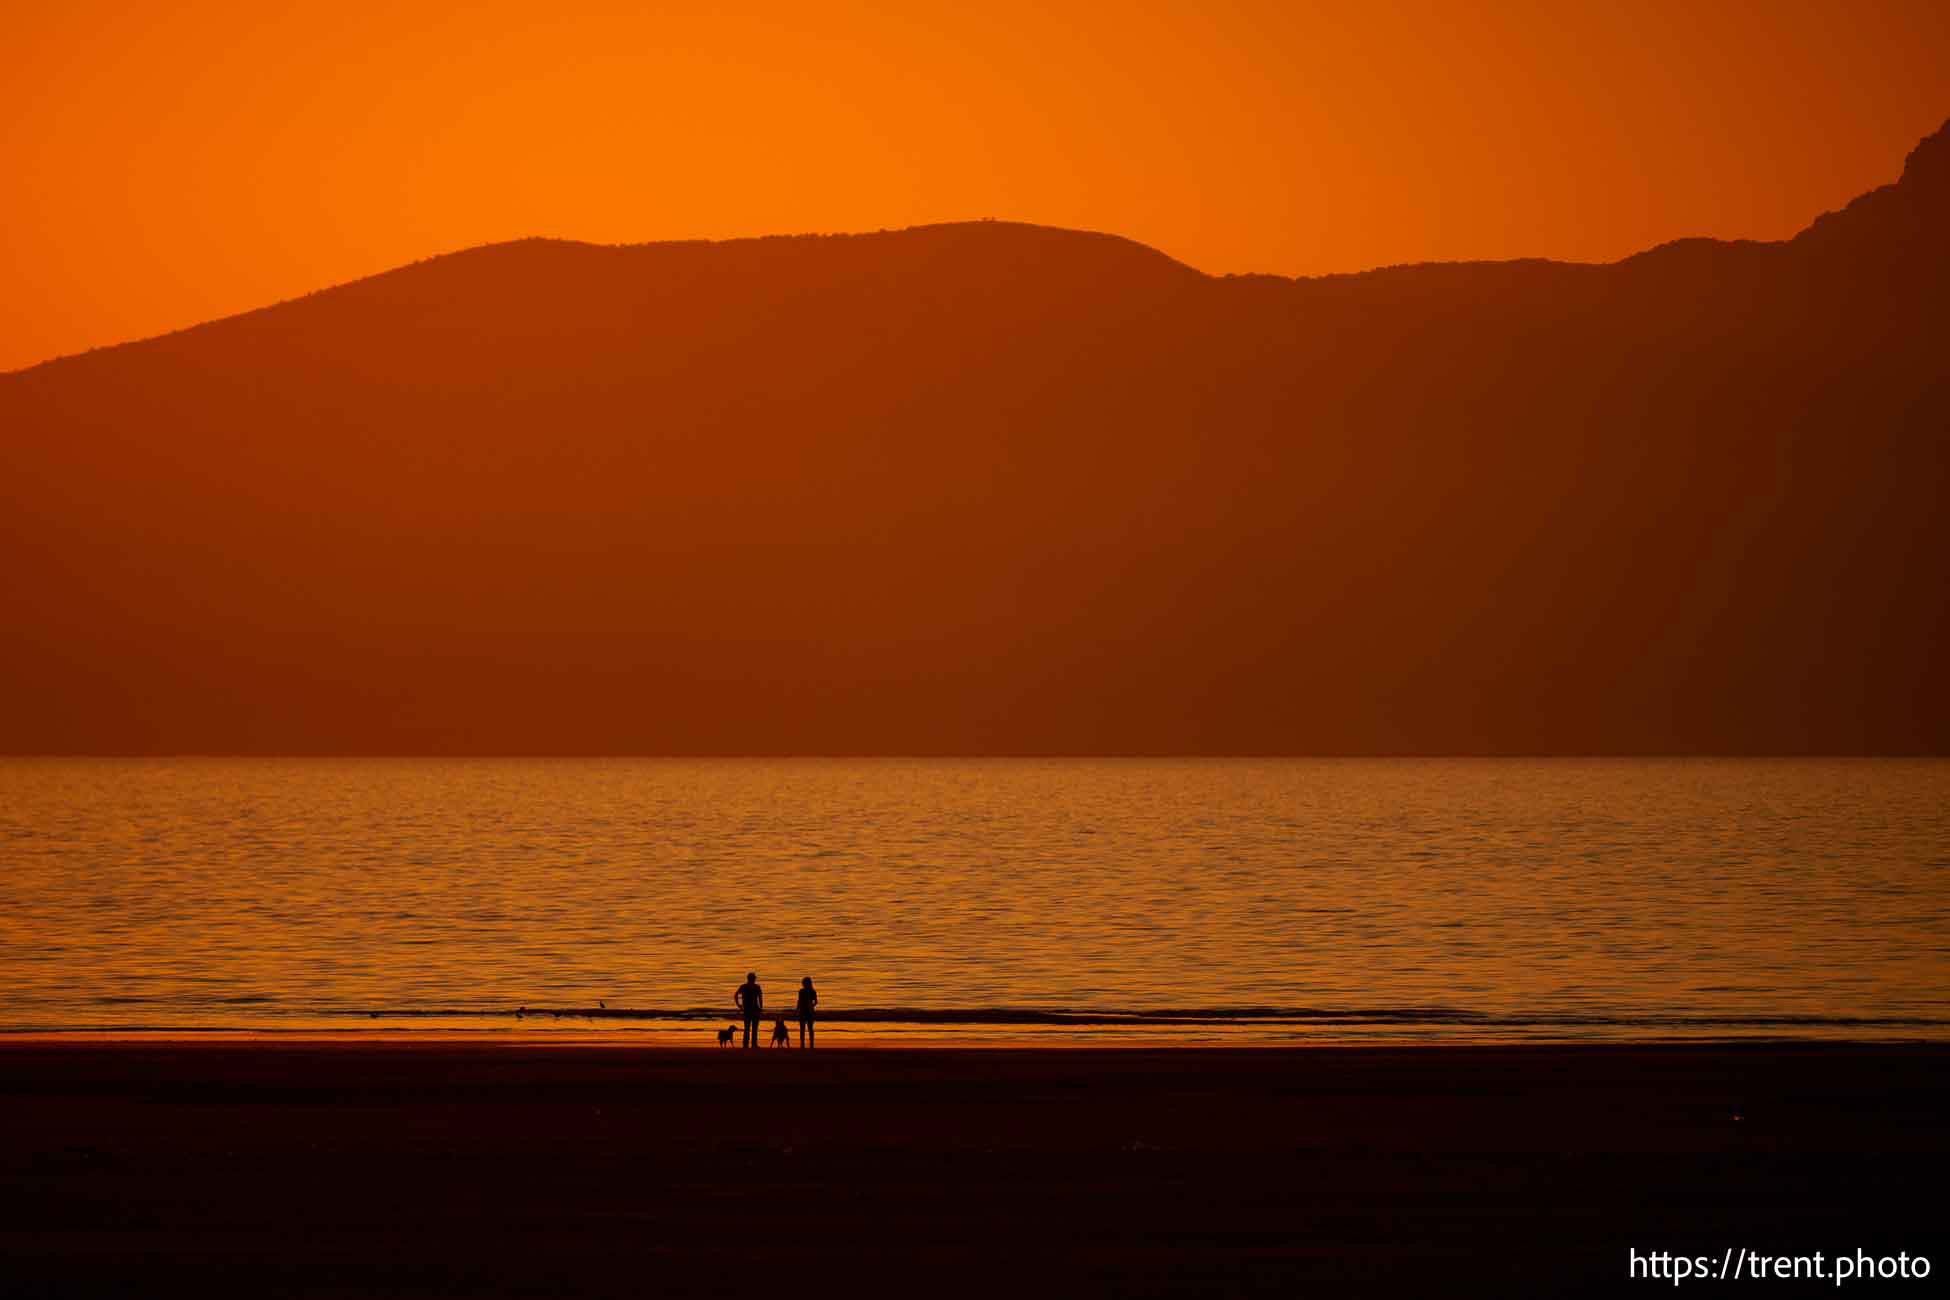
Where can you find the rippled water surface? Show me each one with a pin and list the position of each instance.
(1077, 898)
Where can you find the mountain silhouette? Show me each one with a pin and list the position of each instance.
(994, 488)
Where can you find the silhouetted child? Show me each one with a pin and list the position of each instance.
(780, 1038)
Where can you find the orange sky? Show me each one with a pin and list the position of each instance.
(164, 164)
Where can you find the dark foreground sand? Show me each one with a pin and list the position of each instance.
(382, 1169)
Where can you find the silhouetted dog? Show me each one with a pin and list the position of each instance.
(726, 1035)
(780, 1038)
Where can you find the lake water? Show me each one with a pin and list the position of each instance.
(1068, 900)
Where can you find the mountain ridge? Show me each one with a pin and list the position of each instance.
(1126, 247)
(994, 488)
(1926, 169)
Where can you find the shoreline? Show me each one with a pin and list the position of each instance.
(496, 1167)
(924, 1040)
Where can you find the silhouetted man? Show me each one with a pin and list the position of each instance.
(750, 999)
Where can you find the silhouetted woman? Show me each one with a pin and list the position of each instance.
(808, 999)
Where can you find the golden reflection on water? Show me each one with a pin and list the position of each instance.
(1585, 898)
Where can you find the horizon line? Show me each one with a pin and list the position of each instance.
(1009, 756)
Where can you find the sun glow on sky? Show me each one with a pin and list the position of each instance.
(161, 165)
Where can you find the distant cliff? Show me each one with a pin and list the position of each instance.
(991, 488)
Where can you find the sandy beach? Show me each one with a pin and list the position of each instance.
(471, 1168)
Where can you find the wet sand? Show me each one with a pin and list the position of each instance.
(427, 1168)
